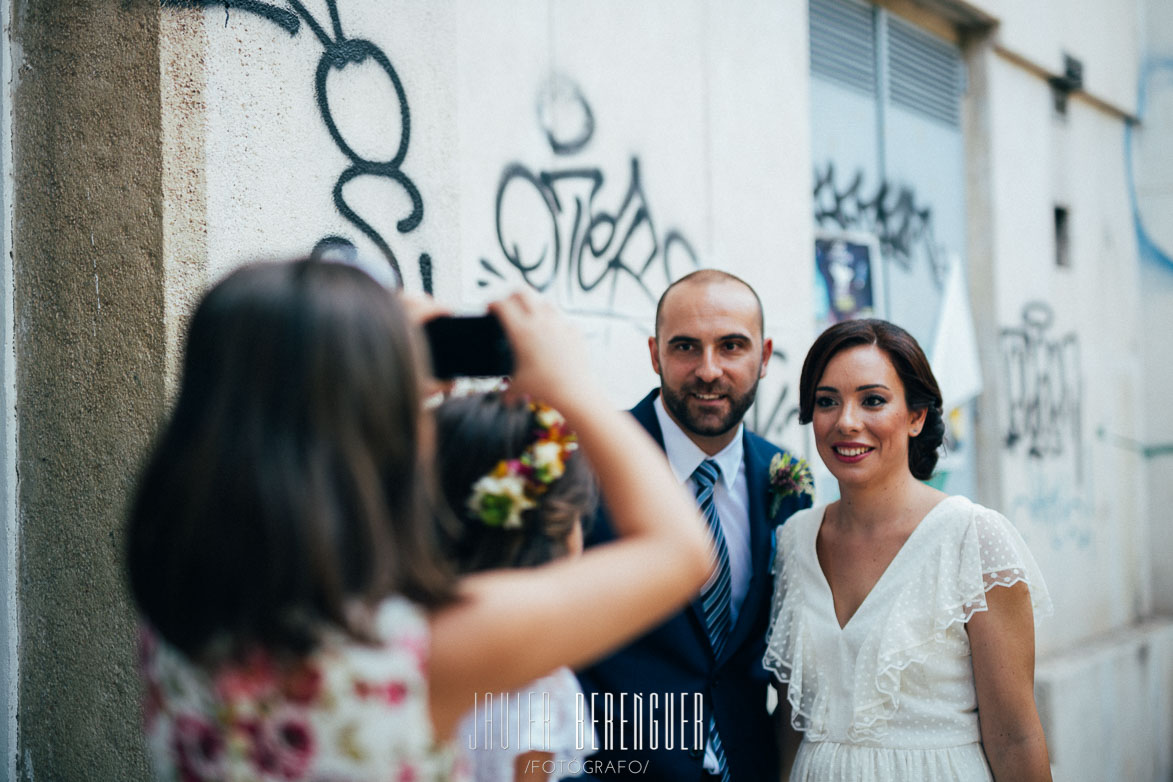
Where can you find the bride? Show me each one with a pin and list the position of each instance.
(903, 618)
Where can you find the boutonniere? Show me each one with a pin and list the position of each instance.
(788, 476)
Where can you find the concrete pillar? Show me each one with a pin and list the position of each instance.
(89, 365)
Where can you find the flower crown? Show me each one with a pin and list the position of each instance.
(514, 485)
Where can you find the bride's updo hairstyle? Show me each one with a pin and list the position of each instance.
(920, 387)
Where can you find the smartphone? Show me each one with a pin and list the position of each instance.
(468, 346)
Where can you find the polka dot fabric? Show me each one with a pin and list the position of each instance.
(891, 695)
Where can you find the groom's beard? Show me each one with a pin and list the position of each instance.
(693, 416)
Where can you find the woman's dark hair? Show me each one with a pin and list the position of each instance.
(476, 432)
(288, 492)
(920, 387)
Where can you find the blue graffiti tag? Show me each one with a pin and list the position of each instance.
(1149, 250)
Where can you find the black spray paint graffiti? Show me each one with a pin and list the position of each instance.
(891, 213)
(339, 53)
(1044, 393)
(781, 413)
(551, 229)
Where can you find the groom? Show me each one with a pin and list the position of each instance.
(687, 701)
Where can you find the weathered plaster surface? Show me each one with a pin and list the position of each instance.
(88, 337)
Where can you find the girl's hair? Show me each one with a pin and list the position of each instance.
(920, 387)
(476, 432)
(289, 491)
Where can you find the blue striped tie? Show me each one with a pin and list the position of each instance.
(715, 595)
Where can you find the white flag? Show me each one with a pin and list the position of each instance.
(955, 353)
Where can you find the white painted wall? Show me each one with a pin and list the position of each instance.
(1080, 504)
(1088, 503)
(1093, 31)
(710, 100)
(1151, 166)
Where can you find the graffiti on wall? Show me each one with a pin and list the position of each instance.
(559, 234)
(772, 417)
(1156, 73)
(1044, 391)
(1059, 513)
(891, 212)
(339, 52)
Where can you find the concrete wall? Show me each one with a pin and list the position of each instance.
(1150, 167)
(1095, 32)
(475, 143)
(1072, 410)
(88, 331)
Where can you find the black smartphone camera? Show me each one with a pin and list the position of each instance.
(468, 346)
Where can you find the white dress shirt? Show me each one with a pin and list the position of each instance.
(730, 494)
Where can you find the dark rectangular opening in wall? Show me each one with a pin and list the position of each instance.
(1062, 238)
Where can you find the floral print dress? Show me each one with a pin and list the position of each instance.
(347, 713)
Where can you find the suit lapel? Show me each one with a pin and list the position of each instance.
(645, 415)
(756, 466)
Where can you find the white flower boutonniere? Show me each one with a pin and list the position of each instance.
(788, 476)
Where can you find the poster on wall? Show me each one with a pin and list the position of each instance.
(848, 284)
(848, 277)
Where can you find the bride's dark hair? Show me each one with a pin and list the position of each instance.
(921, 391)
(291, 489)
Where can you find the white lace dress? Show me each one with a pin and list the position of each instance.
(890, 696)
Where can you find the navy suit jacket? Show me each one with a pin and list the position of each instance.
(675, 657)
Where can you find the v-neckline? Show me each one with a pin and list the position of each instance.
(887, 569)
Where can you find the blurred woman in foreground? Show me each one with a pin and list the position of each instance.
(299, 622)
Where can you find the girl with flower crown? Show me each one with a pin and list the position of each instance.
(299, 621)
(519, 491)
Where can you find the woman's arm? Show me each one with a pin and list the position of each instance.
(788, 737)
(513, 626)
(1003, 644)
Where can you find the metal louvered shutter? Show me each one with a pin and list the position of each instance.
(924, 74)
(843, 43)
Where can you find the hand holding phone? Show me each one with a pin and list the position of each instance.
(468, 346)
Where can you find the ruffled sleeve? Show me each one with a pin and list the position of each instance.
(1005, 561)
(915, 616)
(789, 648)
(968, 551)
